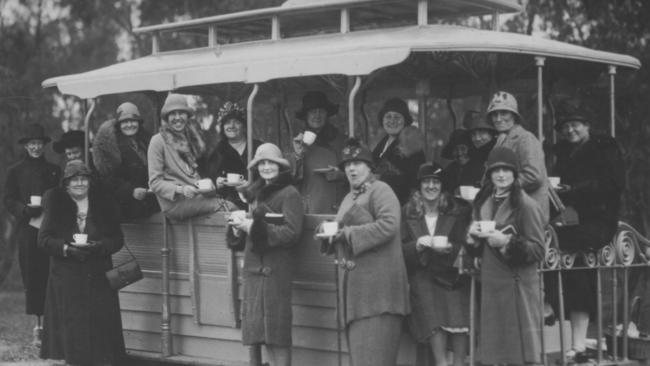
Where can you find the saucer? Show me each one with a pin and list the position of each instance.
(324, 236)
(30, 205)
(82, 245)
(233, 184)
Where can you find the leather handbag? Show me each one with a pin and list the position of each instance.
(124, 274)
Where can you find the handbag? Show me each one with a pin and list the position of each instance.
(562, 215)
(124, 274)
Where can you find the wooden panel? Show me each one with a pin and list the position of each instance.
(216, 301)
(312, 266)
(180, 325)
(152, 285)
(314, 317)
(152, 303)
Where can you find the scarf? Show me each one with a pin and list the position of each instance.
(189, 143)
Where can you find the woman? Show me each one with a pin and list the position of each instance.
(374, 289)
(82, 313)
(439, 295)
(173, 157)
(120, 156)
(511, 315)
(458, 172)
(483, 138)
(231, 153)
(269, 253)
(394, 167)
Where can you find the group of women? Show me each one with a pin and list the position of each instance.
(402, 235)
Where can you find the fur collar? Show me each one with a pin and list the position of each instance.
(260, 191)
(107, 154)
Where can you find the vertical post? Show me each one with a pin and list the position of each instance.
(612, 101)
(345, 20)
(423, 12)
(560, 296)
(599, 314)
(249, 126)
(89, 112)
(275, 28)
(472, 326)
(614, 313)
(626, 310)
(539, 62)
(155, 43)
(212, 36)
(422, 91)
(541, 323)
(495, 21)
(351, 97)
(165, 328)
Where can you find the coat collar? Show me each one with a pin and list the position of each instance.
(502, 214)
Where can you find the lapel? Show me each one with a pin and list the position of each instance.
(445, 224)
(418, 227)
(503, 214)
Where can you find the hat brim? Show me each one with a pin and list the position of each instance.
(434, 176)
(280, 161)
(515, 112)
(342, 163)
(331, 109)
(60, 146)
(24, 140)
(561, 121)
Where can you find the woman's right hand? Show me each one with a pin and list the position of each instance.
(190, 191)
(139, 193)
(77, 253)
(220, 182)
(423, 242)
(474, 229)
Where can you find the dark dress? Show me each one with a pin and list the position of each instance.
(82, 314)
(30, 177)
(594, 172)
(471, 173)
(225, 159)
(397, 170)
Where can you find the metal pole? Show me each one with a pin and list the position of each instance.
(560, 293)
(614, 313)
(351, 97)
(626, 310)
(541, 323)
(87, 129)
(472, 327)
(249, 127)
(423, 12)
(599, 315)
(539, 62)
(612, 101)
(165, 328)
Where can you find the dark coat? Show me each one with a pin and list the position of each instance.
(396, 169)
(434, 302)
(510, 305)
(121, 163)
(82, 315)
(30, 177)
(225, 159)
(269, 263)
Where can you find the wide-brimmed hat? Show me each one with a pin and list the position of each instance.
(503, 101)
(175, 102)
(230, 110)
(395, 105)
(355, 150)
(429, 170)
(570, 111)
(74, 168)
(128, 111)
(72, 138)
(458, 137)
(502, 157)
(34, 132)
(316, 99)
(269, 151)
(474, 120)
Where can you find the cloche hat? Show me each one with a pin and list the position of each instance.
(473, 120)
(354, 150)
(396, 105)
(34, 132)
(316, 99)
(429, 170)
(128, 111)
(502, 157)
(568, 111)
(72, 138)
(175, 102)
(269, 151)
(74, 168)
(458, 137)
(503, 101)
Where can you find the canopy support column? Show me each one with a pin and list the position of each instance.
(539, 62)
(89, 113)
(249, 126)
(165, 317)
(351, 97)
(422, 90)
(345, 20)
(155, 43)
(423, 12)
(612, 100)
(275, 28)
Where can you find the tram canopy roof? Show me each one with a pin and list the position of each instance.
(355, 53)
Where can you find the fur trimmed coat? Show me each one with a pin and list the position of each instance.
(122, 164)
(398, 167)
(82, 314)
(269, 262)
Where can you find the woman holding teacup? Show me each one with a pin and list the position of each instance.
(374, 290)
(226, 164)
(510, 250)
(269, 240)
(173, 157)
(80, 231)
(434, 227)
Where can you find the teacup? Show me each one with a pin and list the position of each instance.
(237, 216)
(234, 178)
(555, 181)
(308, 138)
(330, 227)
(440, 241)
(486, 226)
(204, 184)
(468, 192)
(35, 200)
(80, 238)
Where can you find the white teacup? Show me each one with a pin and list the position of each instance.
(486, 226)
(234, 178)
(440, 241)
(308, 138)
(80, 238)
(555, 181)
(468, 192)
(330, 227)
(35, 200)
(204, 184)
(237, 216)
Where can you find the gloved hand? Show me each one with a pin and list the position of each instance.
(260, 211)
(77, 253)
(96, 249)
(33, 211)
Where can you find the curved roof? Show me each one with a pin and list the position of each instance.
(356, 53)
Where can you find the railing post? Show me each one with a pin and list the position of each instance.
(626, 309)
(165, 328)
(155, 43)
(472, 320)
(345, 20)
(614, 313)
(560, 290)
(351, 97)
(539, 62)
(599, 315)
(423, 12)
(612, 101)
(275, 28)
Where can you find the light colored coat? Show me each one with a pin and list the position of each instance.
(510, 305)
(532, 167)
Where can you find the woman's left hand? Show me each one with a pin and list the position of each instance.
(243, 225)
(497, 239)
